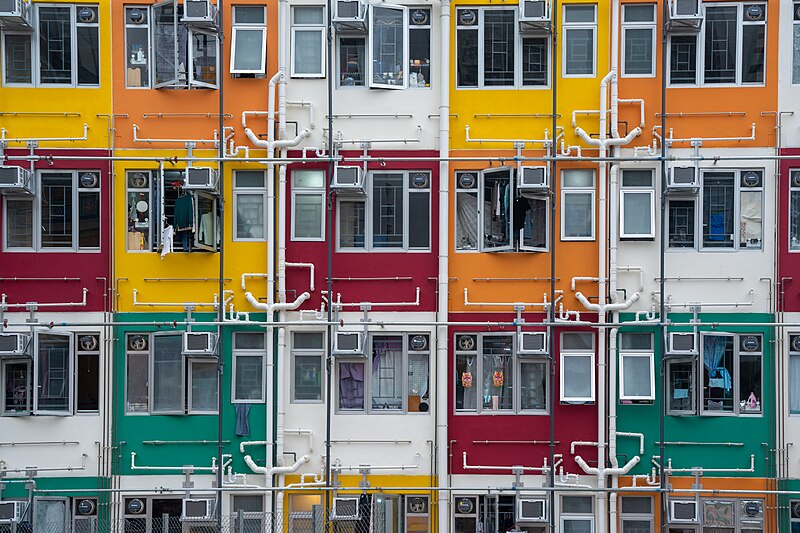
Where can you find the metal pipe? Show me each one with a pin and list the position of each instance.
(544, 304)
(752, 468)
(339, 304)
(546, 141)
(4, 305)
(542, 469)
(213, 304)
(671, 139)
(215, 141)
(6, 140)
(309, 266)
(4, 471)
(357, 468)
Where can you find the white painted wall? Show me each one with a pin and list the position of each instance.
(788, 94)
(791, 422)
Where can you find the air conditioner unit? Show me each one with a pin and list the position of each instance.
(684, 512)
(199, 343)
(198, 12)
(534, 15)
(197, 509)
(350, 15)
(685, 15)
(14, 344)
(15, 14)
(15, 180)
(348, 343)
(532, 342)
(682, 343)
(683, 179)
(533, 180)
(200, 178)
(531, 509)
(348, 180)
(12, 512)
(346, 508)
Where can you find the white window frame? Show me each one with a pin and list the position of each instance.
(35, 50)
(371, 50)
(638, 354)
(308, 352)
(639, 517)
(795, 49)
(699, 77)
(308, 191)
(650, 25)
(518, 38)
(4, 363)
(146, 25)
(793, 247)
(248, 352)
(249, 27)
(576, 353)
(638, 189)
(569, 190)
(691, 393)
(190, 364)
(583, 517)
(566, 26)
(317, 28)
(32, 512)
(241, 190)
(69, 379)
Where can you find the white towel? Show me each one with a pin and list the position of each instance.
(167, 236)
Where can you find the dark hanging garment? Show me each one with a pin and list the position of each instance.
(184, 213)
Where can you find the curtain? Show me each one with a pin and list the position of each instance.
(713, 354)
(351, 385)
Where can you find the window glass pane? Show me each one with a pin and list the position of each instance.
(249, 179)
(419, 219)
(56, 210)
(308, 215)
(418, 382)
(19, 222)
(497, 200)
(467, 60)
(577, 341)
(639, 13)
(720, 44)
(534, 61)
(794, 219)
(576, 504)
(17, 387)
(89, 220)
(750, 223)
(578, 178)
(167, 373)
(351, 224)
(351, 386)
(308, 377)
(204, 58)
(578, 14)
(794, 384)
(636, 376)
(719, 373)
(681, 223)
(248, 15)
(467, 220)
(683, 59)
(636, 341)
(387, 45)
(578, 376)
(50, 514)
(718, 206)
(498, 47)
(88, 382)
(753, 42)
(164, 34)
(533, 385)
(636, 526)
(387, 372)
(307, 51)
(637, 505)
(88, 55)
(637, 178)
(580, 51)
(796, 53)
(749, 383)
(249, 341)
(136, 395)
(497, 379)
(55, 45)
(387, 210)
(54, 373)
(467, 383)
(637, 207)
(351, 61)
(579, 214)
(308, 178)
(249, 377)
(204, 386)
(307, 15)
(681, 386)
(572, 525)
(419, 57)
(17, 58)
(249, 49)
(308, 341)
(249, 216)
(638, 50)
(534, 224)
(137, 51)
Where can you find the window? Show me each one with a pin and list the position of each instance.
(729, 378)
(308, 42)
(63, 48)
(394, 377)
(160, 379)
(732, 213)
(248, 367)
(577, 205)
(576, 514)
(352, 61)
(308, 205)
(50, 513)
(636, 368)
(304, 512)
(580, 30)
(63, 215)
(490, 513)
(487, 367)
(247, 513)
(796, 44)
(577, 368)
(493, 52)
(638, 40)
(494, 215)
(193, 215)
(637, 205)
(164, 51)
(794, 210)
(307, 367)
(730, 48)
(249, 197)
(395, 215)
(794, 505)
(249, 38)
(636, 514)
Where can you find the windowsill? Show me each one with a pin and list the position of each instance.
(506, 88)
(51, 251)
(380, 251)
(501, 413)
(715, 86)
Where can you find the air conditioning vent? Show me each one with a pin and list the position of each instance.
(416, 505)
(683, 179)
(345, 509)
(682, 343)
(197, 509)
(198, 12)
(531, 509)
(350, 15)
(200, 178)
(15, 344)
(685, 15)
(750, 343)
(86, 507)
(795, 178)
(532, 342)
(137, 343)
(348, 180)
(348, 343)
(534, 15)
(794, 343)
(751, 178)
(134, 506)
(15, 180)
(15, 14)
(683, 511)
(795, 508)
(752, 510)
(11, 512)
(418, 343)
(199, 343)
(533, 180)
(88, 343)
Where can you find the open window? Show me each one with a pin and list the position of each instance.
(53, 381)
(388, 50)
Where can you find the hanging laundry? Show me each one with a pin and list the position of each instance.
(184, 213)
(167, 236)
(206, 230)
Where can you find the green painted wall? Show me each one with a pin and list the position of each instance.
(755, 432)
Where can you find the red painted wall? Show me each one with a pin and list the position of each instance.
(420, 267)
(788, 262)
(88, 266)
(572, 422)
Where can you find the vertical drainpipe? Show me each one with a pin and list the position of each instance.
(329, 262)
(662, 269)
(551, 315)
(443, 281)
(221, 306)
